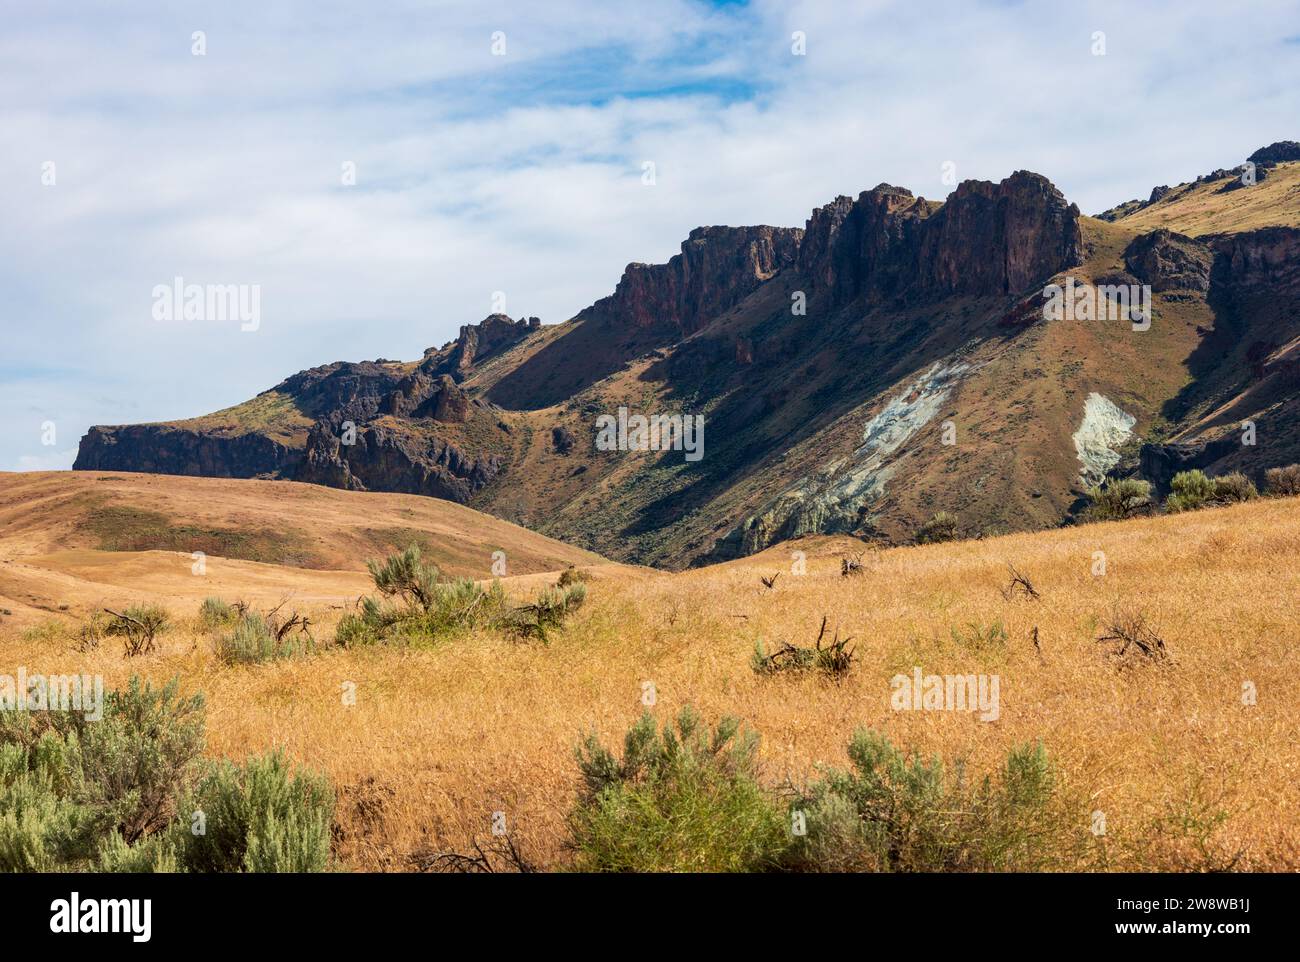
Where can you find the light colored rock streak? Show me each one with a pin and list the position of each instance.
(1104, 429)
(833, 499)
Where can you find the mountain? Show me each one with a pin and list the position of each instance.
(889, 360)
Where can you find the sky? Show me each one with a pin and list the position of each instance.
(500, 153)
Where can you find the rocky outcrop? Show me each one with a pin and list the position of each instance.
(987, 239)
(1276, 153)
(1000, 238)
(562, 439)
(1169, 261)
(1160, 462)
(838, 497)
(852, 246)
(717, 267)
(166, 449)
(1265, 261)
(477, 342)
(383, 459)
(346, 390)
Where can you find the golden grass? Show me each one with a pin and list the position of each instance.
(440, 739)
(1205, 208)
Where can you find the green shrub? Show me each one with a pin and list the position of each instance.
(553, 605)
(45, 631)
(683, 800)
(976, 637)
(1283, 482)
(262, 816)
(833, 660)
(216, 613)
(1234, 488)
(942, 527)
(1193, 490)
(40, 830)
(67, 783)
(452, 607)
(406, 576)
(1189, 491)
(429, 609)
(571, 576)
(899, 813)
(1118, 498)
(118, 794)
(254, 640)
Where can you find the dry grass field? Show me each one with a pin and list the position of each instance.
(1187, 774)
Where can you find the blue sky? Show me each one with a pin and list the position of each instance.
(522, 173)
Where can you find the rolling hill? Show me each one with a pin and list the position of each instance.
(69, 541)
(1187, 772)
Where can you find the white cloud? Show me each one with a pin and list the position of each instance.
(480, 173)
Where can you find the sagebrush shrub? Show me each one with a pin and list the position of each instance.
(1283, 482)
(896, 812)
(553, 605)
(941, 527)
(1234, 488)
(834, 659)
(406, 576)
(254, 639)
(1193, 490)
(428, 609)
(684, 799)
(1189, 491)
(1118, 498)
(262, 816)
(71, 782)
(118, 794)
(216, 613)
(451, 607)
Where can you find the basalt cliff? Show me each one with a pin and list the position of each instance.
(888, 360)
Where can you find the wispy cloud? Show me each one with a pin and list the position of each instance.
(521, 173)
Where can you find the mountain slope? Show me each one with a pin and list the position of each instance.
(889, 360)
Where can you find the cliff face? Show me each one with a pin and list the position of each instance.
(921, 319)
(871, 244)
(1266, 260)
(381, 425)
(987, 239)
(163, 449)
(1169, 261)
(717, 268)
(383, 459)
(345, 400)
(1252, 359)
(1000, 238)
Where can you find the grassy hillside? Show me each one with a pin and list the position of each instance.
(1210, 207)
(74, 538)
(1186, 775)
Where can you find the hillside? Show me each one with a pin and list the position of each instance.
(889, 360)
(72, 539)
(1187, 773)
